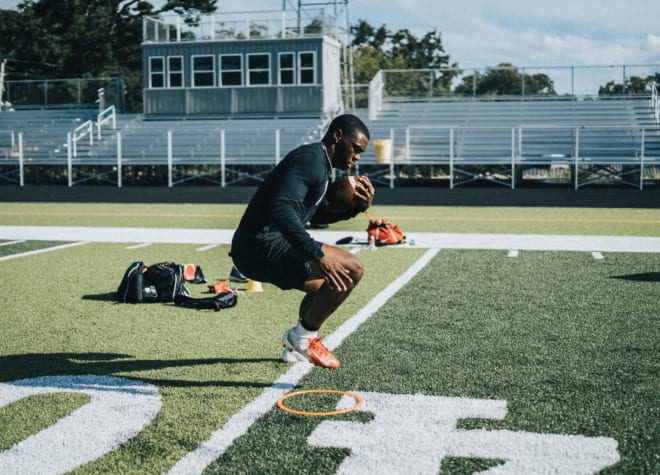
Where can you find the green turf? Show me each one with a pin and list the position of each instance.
(570, 342)
(554, 334)
(59, 318)
(520, 220)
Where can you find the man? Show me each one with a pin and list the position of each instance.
(272, 245)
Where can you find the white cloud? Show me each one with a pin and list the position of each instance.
(481, 33)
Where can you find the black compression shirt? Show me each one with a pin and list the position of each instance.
(286, 200)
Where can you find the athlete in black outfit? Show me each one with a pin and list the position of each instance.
(272, 245)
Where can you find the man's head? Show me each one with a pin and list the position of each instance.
(347, 137)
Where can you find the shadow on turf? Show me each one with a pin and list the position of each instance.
(14, 367)
(105, 297)
(643, 277)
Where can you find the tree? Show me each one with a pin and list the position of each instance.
(378, 48)
(506, 79)
(632, 85)
(83, 39)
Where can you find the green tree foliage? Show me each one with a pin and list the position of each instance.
(506, 79)
(82, 39)
(632, 85)
(378, 48)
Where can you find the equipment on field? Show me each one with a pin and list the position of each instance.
(165, 282)
(193, 273)
(155, 283)
(217, 302)
(355, 407)
(218, 287)
(381, 232)
(254, 286)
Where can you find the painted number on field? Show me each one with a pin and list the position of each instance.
(118, 410)
(415, 432)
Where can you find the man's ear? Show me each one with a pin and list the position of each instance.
(338, 135)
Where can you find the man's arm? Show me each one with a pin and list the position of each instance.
(364, 196)
(288, 204)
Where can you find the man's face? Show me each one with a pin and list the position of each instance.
(348, 149)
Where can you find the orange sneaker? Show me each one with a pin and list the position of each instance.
(316, 353)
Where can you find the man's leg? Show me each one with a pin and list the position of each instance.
(319, 302)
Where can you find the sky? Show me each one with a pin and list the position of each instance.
(539, 35)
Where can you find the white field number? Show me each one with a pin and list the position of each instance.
(408, 432)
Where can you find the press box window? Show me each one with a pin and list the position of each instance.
(231, 70)
(287, 68)
(175, 71)
(156, 72)
(306, 68)
(258, 69)
(203, 71)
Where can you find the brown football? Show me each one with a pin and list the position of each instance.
(340, 195)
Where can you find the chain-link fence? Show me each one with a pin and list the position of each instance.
(80, 93)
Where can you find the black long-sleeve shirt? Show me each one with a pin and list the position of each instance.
(286, 200)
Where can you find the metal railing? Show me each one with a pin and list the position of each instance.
(568, 81)
(76, 93)
(627, 156)
(591, 154)
(86, 129)
(655, 102)
(246, 25)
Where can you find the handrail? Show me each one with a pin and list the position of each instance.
(655, 102)
(376, 87)
(105, 116)
(80, 132)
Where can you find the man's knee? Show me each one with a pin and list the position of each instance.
(356, 268)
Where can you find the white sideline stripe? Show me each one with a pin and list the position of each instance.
(207, 248)
(196, 461)
(598, 255)
(138, 246)
(12, 242)
(40, 251)
(505, 242)
(512, 253)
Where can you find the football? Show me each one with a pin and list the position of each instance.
(340, 195)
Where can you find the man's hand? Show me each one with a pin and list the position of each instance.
(334, 273)
(364, 193)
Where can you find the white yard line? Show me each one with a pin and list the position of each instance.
(40, 251)
(512, 253)
(138, 246)
(238, 424)
(207, 248)
(9, 243)
(121, 235)
(520, 242)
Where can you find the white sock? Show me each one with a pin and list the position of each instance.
(302, 336)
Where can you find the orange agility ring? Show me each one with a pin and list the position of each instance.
(358, 402)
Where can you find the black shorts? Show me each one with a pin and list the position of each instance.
(272, 260)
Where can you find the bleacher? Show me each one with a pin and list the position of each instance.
(498, 140)
(598, 141)
(44, 132)
(228, 142)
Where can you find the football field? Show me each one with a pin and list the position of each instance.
(508, 340)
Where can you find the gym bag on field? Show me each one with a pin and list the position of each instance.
(160, 282)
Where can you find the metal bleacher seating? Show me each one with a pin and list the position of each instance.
(611, 141)
(597, 141)
(43, 132)
(229, 142)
